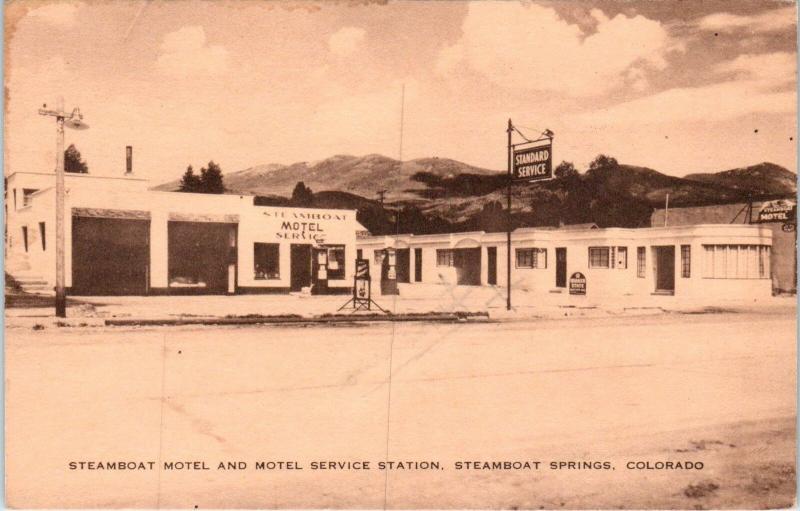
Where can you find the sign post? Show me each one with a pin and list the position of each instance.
(362, 289)
(531, 163)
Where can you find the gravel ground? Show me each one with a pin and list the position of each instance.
(715, 388)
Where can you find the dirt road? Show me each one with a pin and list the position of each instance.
(590, 396)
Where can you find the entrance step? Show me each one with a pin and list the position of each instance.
(39, 290)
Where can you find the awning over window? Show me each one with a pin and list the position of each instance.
(129, 214)
(204, 217)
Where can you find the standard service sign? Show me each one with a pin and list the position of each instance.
(577, 284)
(533, 163)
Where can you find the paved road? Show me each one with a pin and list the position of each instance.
(566, 390)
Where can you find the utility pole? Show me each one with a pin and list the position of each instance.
(381, 196)
(73, 120)
(508, 221)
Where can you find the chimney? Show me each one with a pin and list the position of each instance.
(128, 160)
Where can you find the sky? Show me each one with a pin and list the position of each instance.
(676, 86)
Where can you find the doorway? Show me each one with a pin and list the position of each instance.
(468, 266)
(403, 265)
(300, 267)
(664, 268)
(417, 265)
(561, 267)
(491, 259)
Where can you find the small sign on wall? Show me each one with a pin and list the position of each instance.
(577, 284)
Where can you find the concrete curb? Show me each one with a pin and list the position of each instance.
(286, 320)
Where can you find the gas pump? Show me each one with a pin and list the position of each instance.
(389, 273)
(319, 271)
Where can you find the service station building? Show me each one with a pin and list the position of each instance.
(123, 239)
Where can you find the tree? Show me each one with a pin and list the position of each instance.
(73, 162)
(565, 169)
(211, 179)
(492, 218)
(603, 162)
(302, 195)
(190, 182)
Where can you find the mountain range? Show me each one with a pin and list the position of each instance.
(441, 195)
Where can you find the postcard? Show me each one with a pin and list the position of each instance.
(400, 254)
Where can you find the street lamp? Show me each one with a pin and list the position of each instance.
(73, 120)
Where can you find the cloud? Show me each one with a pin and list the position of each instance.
(770, 69)
(770, 21)
(751, 84)
(346, 40)
(529, 47)
(58, 14)
(185, 52)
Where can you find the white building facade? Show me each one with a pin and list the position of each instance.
(703, 261)
(125, 239)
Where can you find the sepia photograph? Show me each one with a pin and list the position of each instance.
(395, 254)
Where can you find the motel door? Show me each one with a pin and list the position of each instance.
(491, 256)
(664, 268)
(417, 265)
(403, 265)
(561, 267)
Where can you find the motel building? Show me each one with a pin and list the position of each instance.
(698, 262)
(124, 239)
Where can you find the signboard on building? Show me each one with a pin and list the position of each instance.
(533, 163)
(782, 210)
(306, 225)
(577, 284)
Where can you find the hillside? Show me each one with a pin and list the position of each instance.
(441, 195)
(364, 175)
(764, 178)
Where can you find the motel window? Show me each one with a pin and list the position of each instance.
(26, 196)
(445, 257)
(41, 235)
(641, 255)
(25, 238)
(266, 261)
(531, 258)
(335, 262)
(599, 257)
(736, 261)
(686, 261)
(621, 258)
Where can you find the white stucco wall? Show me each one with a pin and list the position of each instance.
(616, 281)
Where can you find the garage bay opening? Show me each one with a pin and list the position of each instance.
(202, 257)
(110, 256)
